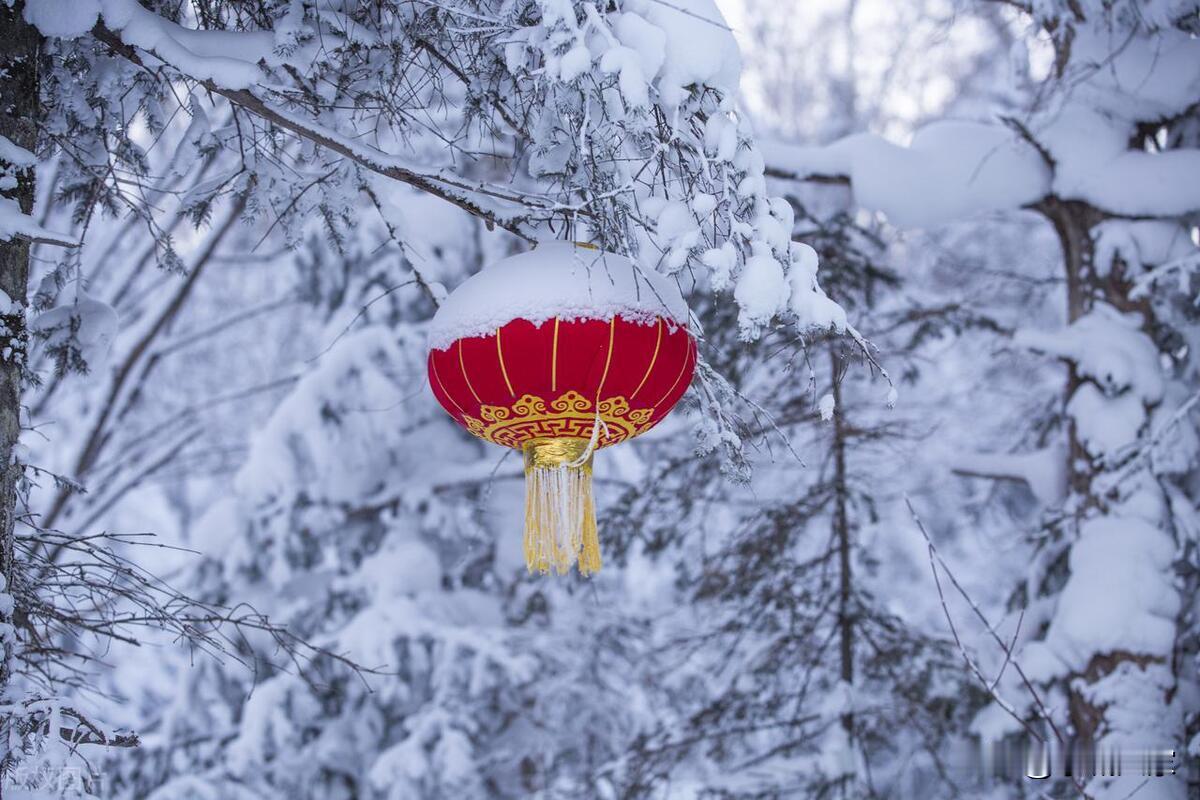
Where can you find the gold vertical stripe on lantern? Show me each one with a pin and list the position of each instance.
(560, 515)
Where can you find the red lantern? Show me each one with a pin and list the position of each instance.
(559, 352)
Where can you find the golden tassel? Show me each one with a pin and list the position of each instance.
(560, 515)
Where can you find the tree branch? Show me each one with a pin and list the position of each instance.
(811, 177)
(437, 185)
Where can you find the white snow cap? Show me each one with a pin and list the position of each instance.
(557, 279)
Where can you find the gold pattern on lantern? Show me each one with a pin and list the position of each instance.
(569, 416)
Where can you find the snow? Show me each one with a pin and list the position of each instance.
(15, 155)
(1140, 244)
(660, 52)
(1117, 85)
(268, 714)
(1107, 346)
(1119, 595)
(624, 63)
(1137, 719)
(825, 406)
(703, 204)
(955, 169)
(634, 51)
(15, 224)
(402, 566)
(296, 446)
(17, 793)
(88, 324)
(721, 262)
(647, 41)
(66, 19)
(720, 137)
(700, 49)
(993, 723)
(437, 235)
(951, 171)
(1105, 424)
(1041, 470)
(1135, 77)
(761, 291)
(1094, 163)
(556, 279)
(576, 62)
(808, 302)
(197, 137)
(676, 228)
(463, 619)
(229, 59)
(197, 787)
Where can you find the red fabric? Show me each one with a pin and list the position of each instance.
(649, 367)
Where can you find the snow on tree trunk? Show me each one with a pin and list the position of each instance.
(1114, 630)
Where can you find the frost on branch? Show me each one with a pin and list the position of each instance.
(650, 151)
(554, 119)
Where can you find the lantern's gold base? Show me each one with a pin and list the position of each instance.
(560, 515)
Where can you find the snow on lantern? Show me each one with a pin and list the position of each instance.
(558, 352)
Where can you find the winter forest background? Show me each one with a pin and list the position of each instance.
(940, 490)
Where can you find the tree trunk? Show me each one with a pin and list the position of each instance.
(20, 46)
(1123, 690)
(1073, 222)
(841, 529)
